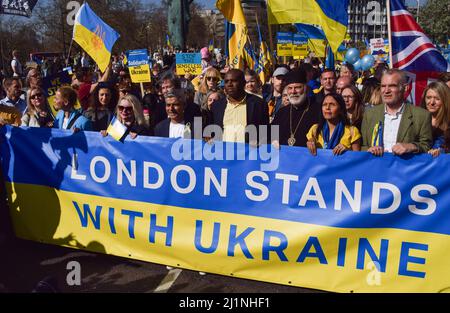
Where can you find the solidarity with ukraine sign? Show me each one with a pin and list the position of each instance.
(345, 223)
(138, 65)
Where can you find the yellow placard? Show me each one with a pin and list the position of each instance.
(284, 50)
(300, 50)
(186, 68)
(140, 74)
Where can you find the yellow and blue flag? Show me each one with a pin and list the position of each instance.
(317, 41)
(331, 15)
(211, 46)
(250, 56)
(236, 31)
(116, 129)
(329, 60)
(95, 36)
(316, 38)
(168, 44)
(232, 11)
(377, 135)
(264, 60)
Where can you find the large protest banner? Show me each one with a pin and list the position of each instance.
(342, 223)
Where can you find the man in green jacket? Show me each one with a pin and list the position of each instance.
(396, 126)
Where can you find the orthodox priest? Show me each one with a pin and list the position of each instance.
(295, 119)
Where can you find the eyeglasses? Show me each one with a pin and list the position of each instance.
(126, 109)
(35, 96)
(124, 91)
(212, 78)
(348, 97)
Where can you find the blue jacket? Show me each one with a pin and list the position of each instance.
(81, 122)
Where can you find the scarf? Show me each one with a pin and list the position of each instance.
(330, 143)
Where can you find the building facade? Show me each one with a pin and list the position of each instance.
(367, 19)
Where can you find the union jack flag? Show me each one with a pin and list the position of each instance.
(413, 51)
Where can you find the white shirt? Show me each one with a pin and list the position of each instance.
(391, 126)
(16, 66)
(176, 130)
(84, 62)
(65, 123)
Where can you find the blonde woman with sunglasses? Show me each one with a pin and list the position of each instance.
(38, 112)
(210, 82)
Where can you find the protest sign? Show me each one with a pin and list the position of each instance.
(345, 223)
(284, 44)
(189, 63)
(138, 66)
(299, 45)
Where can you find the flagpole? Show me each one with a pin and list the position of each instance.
(270, 32)
(388, 9)
(68, 54)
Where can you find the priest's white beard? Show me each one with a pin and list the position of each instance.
(297, 99)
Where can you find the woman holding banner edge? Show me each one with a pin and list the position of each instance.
(334, 130)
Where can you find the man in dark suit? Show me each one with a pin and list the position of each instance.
(240, 114)
(396, 126)
(178, 124)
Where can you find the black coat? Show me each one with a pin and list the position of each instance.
(163, 128)
(257, 112)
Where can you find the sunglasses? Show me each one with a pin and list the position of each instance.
(126, 109)
(35, 96)
(124, 91)
(212, 78)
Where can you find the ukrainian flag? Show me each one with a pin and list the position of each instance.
(169, 45)
(232, 11)
(264, 60)
(316, 38)
(249, 56)
(236, 38)
(116, 129)
(94, 36)
(236, 31)
(317, 41)
(331, 15)
(211, 46)
(329, 60)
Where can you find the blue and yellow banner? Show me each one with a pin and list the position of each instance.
(331, 15)
(95, 36)
(350, 223)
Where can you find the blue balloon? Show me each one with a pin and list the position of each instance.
(352, 55)
(367, 62)
(357, 65)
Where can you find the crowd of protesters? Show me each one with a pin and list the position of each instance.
(313, 107)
